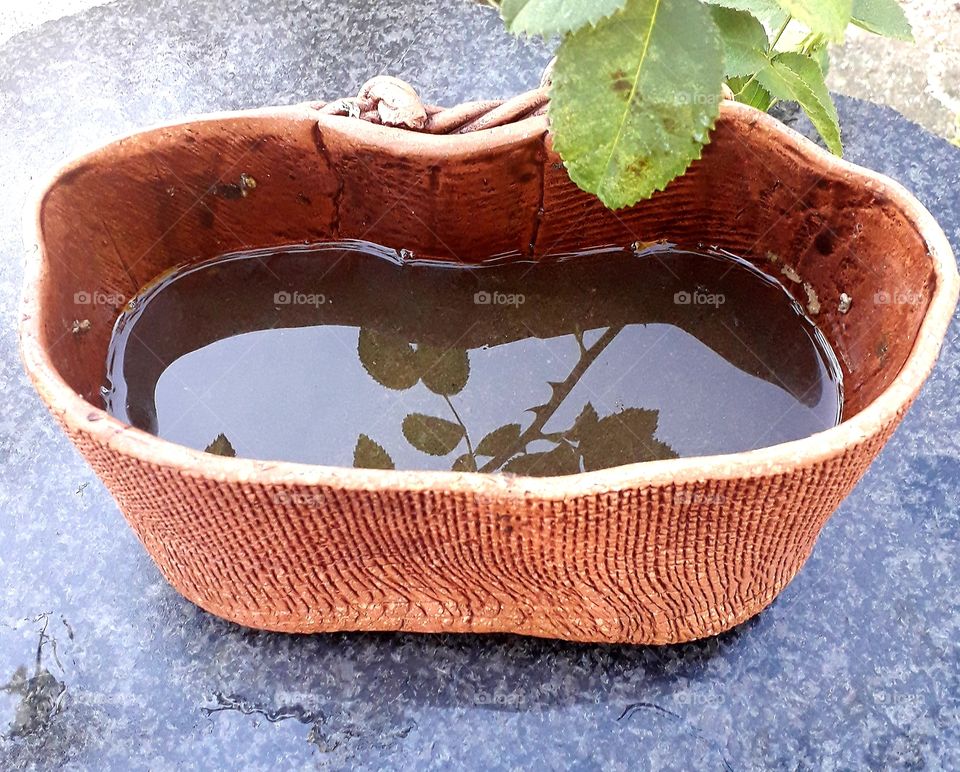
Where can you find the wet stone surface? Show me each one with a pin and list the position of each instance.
(103, 665)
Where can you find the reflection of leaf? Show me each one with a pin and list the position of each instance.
(585, 424)
(525, 464)
(502, 440)
(465, 463)
(623, 438)
(444, 371)
(221, 447)
(561, 460)
(435, 436)
(391, 362)
(370, 455)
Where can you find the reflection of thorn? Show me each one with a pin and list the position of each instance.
(539, 410)
(82, 488)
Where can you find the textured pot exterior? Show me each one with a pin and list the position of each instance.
(660, 552)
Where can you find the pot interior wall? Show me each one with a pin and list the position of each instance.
(121, 216)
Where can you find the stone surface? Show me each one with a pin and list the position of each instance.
(855, 665)
(920, 79)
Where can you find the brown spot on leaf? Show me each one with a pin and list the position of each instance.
(638, 166)
(620, 83)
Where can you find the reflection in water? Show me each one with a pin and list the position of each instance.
(341, 354)
(588, 443)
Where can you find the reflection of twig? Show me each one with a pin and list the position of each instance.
(560, 392)
(466, 434)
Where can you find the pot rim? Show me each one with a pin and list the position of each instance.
(78, 415)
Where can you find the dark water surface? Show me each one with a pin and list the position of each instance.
(350, 354)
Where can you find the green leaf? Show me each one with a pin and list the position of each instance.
(745, 42)
(821, 55)
(767, 11)
(634, 98)
(799, 78)
(368, 454)
(882, 17)
(436, 436)
(828, 17)
(749, 92)
(502, 440)
(220, 447)
(390, 361)
(555, 17)
(444, 371)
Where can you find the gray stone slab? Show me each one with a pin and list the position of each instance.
(855, 665)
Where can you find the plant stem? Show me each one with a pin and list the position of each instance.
(776, 38)
(770, 51)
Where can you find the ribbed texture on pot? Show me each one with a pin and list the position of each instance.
(647, 565)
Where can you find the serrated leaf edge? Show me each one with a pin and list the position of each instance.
(548, 33)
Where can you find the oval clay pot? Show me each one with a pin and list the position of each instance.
(658, 552)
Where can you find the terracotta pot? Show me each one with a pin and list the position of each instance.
(659, 552)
